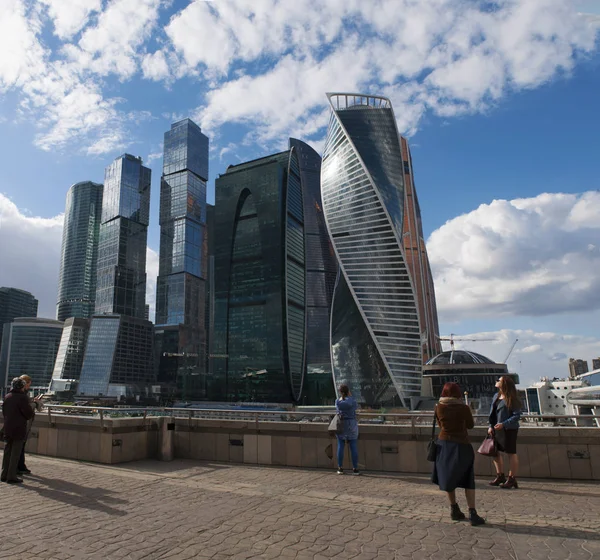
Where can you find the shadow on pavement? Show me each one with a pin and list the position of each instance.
(558, 532)
(96, 499)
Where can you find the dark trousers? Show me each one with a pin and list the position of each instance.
(10, 461)
(21, 466)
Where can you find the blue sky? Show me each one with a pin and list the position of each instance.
(499, 101)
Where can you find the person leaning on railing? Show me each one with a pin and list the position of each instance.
(505, 414)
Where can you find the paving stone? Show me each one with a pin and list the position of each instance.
(185, 509)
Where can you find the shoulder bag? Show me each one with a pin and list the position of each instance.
(432, 446)
(336, 426)
(488, 447)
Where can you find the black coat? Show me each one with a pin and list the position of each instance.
(16, 411)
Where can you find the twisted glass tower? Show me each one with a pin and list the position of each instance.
(375, 327)
(79, 254)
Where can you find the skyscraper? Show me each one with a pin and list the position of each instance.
(259, 343)
(375, 325)
(321, 271)
(29, 347)
(121, 283)
(71, 350)
(181, 290)
(15, 303)
(577, 367)
(415, 252)
(79, 255)
(119, 357)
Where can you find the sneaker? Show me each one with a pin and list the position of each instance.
(355, 472)
(475, 518)
(456, 514)
(24, 471)
(340, 470)
(510, 483)
(15, 481)
(500, 479)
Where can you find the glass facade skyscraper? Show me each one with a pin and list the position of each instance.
(181, 289)
(415, 252)
(29, 347)
(260, 312)
(321, 271)
(79, 255)
(121, 279)
(15, 303)
(71, 350)
(119, 357)
(375, 325)
(119, 360)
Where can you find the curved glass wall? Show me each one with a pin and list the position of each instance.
(260, 320)
(362, 186)
(79, 254)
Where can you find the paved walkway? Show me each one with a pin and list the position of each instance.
(185, 510)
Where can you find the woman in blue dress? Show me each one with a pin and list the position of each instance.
(346, 407)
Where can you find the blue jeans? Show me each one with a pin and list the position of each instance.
(353, 443)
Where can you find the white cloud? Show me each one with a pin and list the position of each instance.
(22, 54)
(34, 256)
(155, 66)
(533, 256)
(268, 64)
(112, 45)
(537, 354)
(445, 56)
(31, 245)
(69, 16)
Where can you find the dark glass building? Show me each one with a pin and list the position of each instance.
(121, 280)
(375, 325)
(79, 254)
(119, 360)
(321, 271)
(181, 283)
(71, 350)
(15, 303)
(260, 309)
(29, 347)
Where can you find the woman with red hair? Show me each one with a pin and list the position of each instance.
(454, 463)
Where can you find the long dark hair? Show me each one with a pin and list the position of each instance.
(344, 391)
(508, 390)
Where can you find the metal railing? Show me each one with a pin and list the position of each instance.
(365, 418)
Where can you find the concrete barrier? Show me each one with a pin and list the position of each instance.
(559, 453)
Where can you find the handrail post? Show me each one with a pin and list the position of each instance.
(102, 419)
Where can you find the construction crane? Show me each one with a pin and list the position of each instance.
(510, 351)
(451, 340)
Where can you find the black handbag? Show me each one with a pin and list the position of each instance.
(432, 446)
(336, 426)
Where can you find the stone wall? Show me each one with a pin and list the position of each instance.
(84, 438)
(562, 453)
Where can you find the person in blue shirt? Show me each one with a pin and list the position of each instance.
(504, 426)
(346, 406)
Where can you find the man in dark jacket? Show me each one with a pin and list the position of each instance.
(37, 406)
(16, 411)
